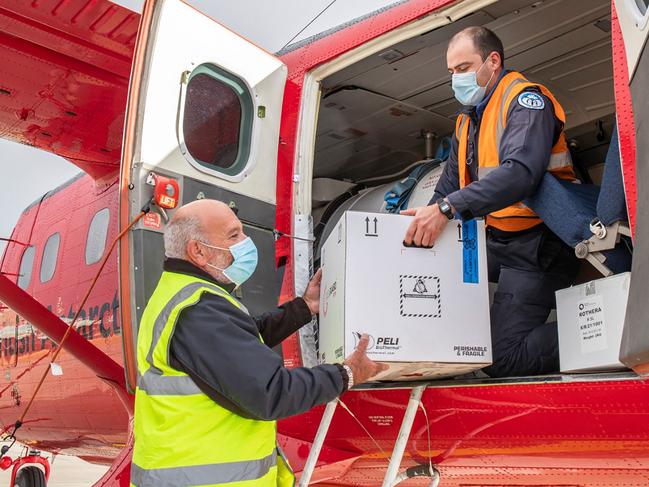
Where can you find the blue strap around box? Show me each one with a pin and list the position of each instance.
(470, 264)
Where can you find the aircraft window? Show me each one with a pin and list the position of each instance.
(216, 120)
(643, 5)
(26, 266)
(50, 254)
(97, 232)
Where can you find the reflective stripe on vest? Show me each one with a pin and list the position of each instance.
(203, 474)
(494, 119)
(182, 437)
(153, 382)
(558, 161)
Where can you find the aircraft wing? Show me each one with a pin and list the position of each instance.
(65, 74)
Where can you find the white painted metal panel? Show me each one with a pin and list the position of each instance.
(182, 39)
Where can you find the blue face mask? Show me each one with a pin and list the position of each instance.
(244, 263)
(466, 88)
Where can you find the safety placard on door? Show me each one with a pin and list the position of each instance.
(592, 330)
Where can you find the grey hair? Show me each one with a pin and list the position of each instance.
(178, 233)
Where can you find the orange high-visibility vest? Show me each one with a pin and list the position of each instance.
(516, 217)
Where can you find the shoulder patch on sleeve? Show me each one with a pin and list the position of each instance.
(530, 100)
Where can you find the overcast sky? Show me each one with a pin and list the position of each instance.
(28, 172)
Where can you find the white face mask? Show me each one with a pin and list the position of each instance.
(466, 88)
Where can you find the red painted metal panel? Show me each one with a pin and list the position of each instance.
(624, 111)
(39, 316)
(65, 76)
(480, 432)
(76, 413)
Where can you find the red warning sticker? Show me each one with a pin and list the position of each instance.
(151, 220)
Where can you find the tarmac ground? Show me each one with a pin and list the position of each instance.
(66, 472)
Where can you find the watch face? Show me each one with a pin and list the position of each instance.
(445, 208)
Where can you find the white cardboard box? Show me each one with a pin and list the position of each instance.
(426, 310)
(590, 318)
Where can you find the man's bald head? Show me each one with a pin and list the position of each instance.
(209, 213)
(196, 228)
(192, 222)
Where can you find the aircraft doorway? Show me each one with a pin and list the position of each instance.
(377, 116)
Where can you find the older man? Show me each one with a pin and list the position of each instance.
(210, 388)
(508, 135)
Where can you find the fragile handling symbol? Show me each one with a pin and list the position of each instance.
(367, 227)
(424, 301)
(420, 287)
(420, 291)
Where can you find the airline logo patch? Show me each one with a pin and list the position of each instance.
(533, 101)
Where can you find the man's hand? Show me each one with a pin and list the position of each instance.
(426, 227)
(312, 294)
(362, 367)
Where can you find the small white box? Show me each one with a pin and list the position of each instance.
(590, 319)
(426, 310)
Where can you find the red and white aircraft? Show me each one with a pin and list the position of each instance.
(283, 138)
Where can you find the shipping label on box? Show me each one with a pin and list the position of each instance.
(590, 320)
(420, 306)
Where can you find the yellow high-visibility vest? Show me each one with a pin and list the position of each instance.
(182, 437)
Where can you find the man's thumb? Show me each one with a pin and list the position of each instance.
(409, 212)
(362, 343)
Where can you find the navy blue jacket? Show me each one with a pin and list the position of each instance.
(218, 346)
(524, 156)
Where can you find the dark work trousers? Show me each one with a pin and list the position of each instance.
(528, 267)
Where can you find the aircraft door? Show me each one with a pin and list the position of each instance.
(204, 110)
(633, 119)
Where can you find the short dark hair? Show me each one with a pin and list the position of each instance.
(484, 40)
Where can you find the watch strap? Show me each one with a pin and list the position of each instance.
(350, 376)
(445, 208)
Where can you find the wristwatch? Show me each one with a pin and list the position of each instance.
(445, 208)
(350, 376)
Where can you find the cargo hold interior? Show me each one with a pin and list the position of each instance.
(376, 115)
